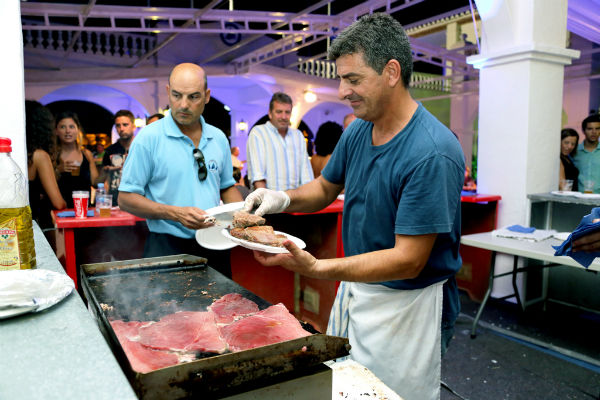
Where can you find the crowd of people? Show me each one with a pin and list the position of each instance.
(580, 162)
(398, 298)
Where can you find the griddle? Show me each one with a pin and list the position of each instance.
(148, 289)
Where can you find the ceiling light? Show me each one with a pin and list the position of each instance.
(310, 96)
(242, 126)
(139, 122)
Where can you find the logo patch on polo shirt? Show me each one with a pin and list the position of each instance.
(212, 166)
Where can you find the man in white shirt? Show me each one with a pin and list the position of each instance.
(276, 153)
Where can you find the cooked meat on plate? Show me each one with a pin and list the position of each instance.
(242, 219)
(259, 234)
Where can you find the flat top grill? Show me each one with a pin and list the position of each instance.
(148, 289)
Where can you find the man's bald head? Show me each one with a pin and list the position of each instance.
(188, 70)
(188, 94)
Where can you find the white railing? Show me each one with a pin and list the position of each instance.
(326, 69)
(439, 83)
(98, 43)
(320, 68)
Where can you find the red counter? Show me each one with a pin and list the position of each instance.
(479, 213)
(65, 237)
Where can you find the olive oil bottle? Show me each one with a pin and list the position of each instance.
(17, 248)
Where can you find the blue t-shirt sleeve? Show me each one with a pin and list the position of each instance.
(137, 169)
(430, 198)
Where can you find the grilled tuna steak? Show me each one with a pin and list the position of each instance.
(243, 219)
(259, 234)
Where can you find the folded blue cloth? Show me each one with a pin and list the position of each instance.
(586, 226)
(66, 214)
(521, 229)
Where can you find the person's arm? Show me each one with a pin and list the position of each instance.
(306, 170)
(93, 170)
(405, 260)
(256, 165)
(313, 196)
(45, 170)
(590, 242)
(561, 174)
(231, 195)
(136, 204)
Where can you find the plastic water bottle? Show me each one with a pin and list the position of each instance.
(99, 192)
(17, 249)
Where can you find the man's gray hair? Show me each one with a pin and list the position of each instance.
(380, 38)
(280, 97)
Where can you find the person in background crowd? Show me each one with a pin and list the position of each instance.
(328, 135)
(235, 161)
(239, 183)
(115, 154)
(348, 119)
(178, 167)
(587, 158)
(401, 219)
(276, 154)
(154, 118)
(76, 169)
(44, 193)
(99, 154)
(568, 148)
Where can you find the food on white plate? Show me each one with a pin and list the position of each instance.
(259, 234)
(243, 219)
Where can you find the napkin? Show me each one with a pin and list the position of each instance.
(529, 234)
(521, 229)
(65, 214)
(585, 227)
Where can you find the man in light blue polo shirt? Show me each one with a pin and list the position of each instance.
(178, 167)
(587, 158)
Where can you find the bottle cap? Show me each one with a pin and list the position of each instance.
(5, 145)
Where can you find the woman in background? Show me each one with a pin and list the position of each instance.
(76, 167)
(43, 189)
(327, 137)
(568, 148)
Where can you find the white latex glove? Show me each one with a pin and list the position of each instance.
(267, 201)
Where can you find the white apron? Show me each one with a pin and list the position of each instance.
(394, 333)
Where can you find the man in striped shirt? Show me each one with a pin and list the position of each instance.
(276, 153)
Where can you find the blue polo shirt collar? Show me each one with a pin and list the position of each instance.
(174, 130)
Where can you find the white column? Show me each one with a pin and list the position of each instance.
(12, 102)
(520, 102)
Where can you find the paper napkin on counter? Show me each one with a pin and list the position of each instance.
(585, 227)
(525, 233)
(66, 214)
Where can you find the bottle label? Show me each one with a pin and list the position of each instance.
(9, 245)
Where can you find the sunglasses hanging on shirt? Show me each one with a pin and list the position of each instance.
(202, 171)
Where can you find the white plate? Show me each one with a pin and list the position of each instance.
(261, 247)
(211, 238)
(561, 235)
(31, 290)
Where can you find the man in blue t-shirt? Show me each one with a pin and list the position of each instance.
(403, 172)
(178, 167)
